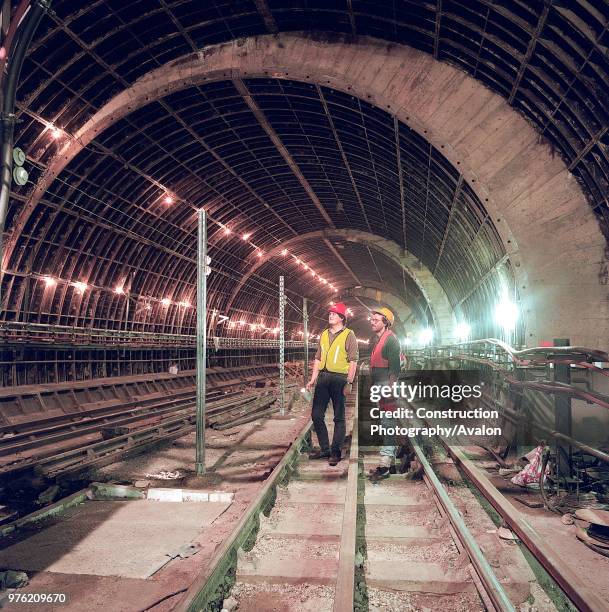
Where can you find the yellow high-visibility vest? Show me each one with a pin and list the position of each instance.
(334, 356)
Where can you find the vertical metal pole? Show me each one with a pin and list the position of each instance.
(281, 348)
(26, 300)
(563, 416)
(201, 339)
(127, 313)
(305, 330)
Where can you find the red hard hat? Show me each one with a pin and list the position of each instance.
(339, 308)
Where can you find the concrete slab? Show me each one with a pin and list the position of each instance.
(304, 526)
(399, 504)
(410, 501)
(297, 571)
(322, 470)
(298, 537)
(308, 487)
(402, 532)
(414, 576)
(98, 593)
(112, 538)
(316, 498)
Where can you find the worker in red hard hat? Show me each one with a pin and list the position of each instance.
(385, 370)
(333, 371)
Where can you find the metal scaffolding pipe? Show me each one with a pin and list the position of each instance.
(201, 338)
(305, 331)
(281, 347)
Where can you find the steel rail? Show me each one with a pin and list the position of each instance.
(204, 589)
(25, 429)
(58, 433)
(259, 413)
(106, 452)
(345, 582)
(581, 595)
(43, 438)
(113, 406)
(491, 584)
(179, 423)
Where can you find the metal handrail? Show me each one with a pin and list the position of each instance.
(52, 333)
(538, 355)
(505, 361)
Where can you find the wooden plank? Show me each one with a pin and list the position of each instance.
(345, 581)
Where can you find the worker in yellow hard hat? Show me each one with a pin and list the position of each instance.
(388, 318)
(385, 370)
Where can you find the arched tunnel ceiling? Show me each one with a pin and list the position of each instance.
(207, 145)
(355, 266)
(346, 164)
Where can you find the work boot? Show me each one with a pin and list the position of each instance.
(319, 454)
(382, 470)
(379, 473)
(334, 459)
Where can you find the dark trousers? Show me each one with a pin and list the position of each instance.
(380, 376)
(329, 386)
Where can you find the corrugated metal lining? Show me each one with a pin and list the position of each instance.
(104, 220)
(549, 60)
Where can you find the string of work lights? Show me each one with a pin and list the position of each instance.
(169, 198)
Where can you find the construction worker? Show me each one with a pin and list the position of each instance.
(384, 369)
(334, 372)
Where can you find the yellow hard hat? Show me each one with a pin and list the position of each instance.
(386, 313)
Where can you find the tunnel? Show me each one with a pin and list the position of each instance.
(447, 161)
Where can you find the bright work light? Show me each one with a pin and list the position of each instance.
(425, 336)
(462, 331)
(506, 314)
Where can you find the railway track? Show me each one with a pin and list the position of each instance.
(164, 424)
(420, 554)
(65, 450)
(98, 427)
(98, 436)
(325, 538)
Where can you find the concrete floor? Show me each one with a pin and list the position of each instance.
(112, 538)
(237, 460)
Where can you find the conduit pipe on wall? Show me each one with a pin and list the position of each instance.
(29, 23)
